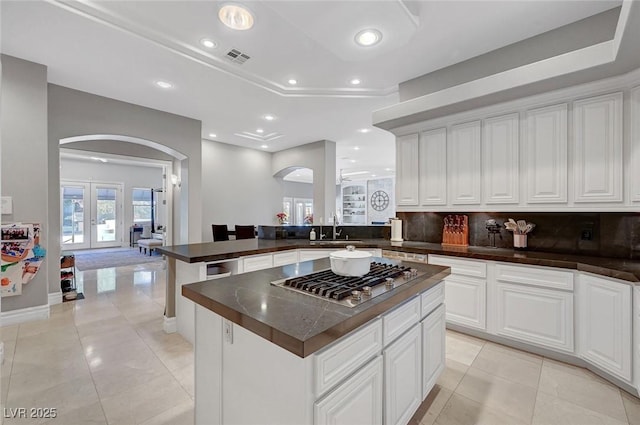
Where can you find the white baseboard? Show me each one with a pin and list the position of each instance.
(55, 298)
(170, 325)
(22, 315)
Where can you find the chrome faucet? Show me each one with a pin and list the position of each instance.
(335, 233)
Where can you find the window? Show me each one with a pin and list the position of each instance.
(141, 201)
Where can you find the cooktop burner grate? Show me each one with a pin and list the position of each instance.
(350, 290)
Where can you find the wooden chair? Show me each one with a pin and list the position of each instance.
(245, 232)
(220, 232)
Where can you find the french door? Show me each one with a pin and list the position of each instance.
(91, 214)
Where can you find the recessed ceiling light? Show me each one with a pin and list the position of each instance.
(293, 82)
(236, 17)
(368, 37)
(388, 169)
(269, 117)
(259, 130)
(164, 84)
(356, 148)
(264, 146)
(213, 135)
(355, 81)
(364, 130)
(352, 161)
(209, 44)
(373, 175)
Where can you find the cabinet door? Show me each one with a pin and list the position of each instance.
(605, 323)
(407, 170)
(500, 166)
(259, 262)
(535, 315)
(597, 127)
(465, 298)
(545, 155)
(433, 349)
(284, 258)
(313, 254)
(357, 401)
(463, 158)
(402, 377)
(433, 167)
(634, 162)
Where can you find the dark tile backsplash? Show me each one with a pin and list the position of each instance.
(302, 232)
(612, 234)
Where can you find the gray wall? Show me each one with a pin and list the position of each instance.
(76, 113)
(131, 176)
(238, 187)
(118, 147)
(321, 158)
(298, 190)
(23, 124)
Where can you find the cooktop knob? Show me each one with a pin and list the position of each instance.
(367, 291)
(407, 274)
(356, 295)
(389, 282)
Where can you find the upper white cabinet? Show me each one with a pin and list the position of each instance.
(433, 167)
(463, 158)
(605, 324)
(545, 155)
(407, 170)
(500, 160)
(634, 161)
(597, 126)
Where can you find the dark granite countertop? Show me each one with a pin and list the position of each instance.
(298, 322)
(619, 268)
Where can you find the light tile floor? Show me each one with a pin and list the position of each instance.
(106, 360)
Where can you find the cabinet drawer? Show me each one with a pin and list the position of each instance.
(284, 258)
(258, 262)
(313, 254)
(396, 322)
(471, 268)
(537, 276)
(338, 361)
(431, 299)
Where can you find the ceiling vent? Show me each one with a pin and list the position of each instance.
(236, 56)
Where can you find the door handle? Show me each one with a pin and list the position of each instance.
(93, 222)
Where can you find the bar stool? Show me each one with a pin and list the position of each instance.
(220, 232)
(245, 232)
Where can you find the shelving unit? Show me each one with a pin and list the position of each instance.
(354, 204)
(68, 277)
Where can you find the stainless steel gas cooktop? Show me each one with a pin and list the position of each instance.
(351, 291)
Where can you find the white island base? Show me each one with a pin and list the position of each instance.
(378, 374)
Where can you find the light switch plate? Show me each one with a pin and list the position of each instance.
(6, 205)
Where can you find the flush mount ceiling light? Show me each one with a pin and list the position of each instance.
(236, 17)
(368, 37)
(364, 130)
(259, 130)
(214, 135)
(355, 81)
(293, 82)
(209, 44)
(269, 117)
(264, 146)
(356, 148)
(164, 84)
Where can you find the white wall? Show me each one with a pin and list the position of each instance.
(298, 190)
(23, 124)
(131, 176)
(237, 187)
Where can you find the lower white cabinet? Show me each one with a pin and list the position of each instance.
(535, 315)
(313, 254)
(257, 262)
(465, 298)
(605, 323)
(284, 258)
(402, 377)
(433, 349)
(358, 401)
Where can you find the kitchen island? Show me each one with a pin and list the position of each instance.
(267, 354)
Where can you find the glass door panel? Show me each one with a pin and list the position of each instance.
(106, 226)
(74, 215)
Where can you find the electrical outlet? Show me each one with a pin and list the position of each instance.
(586, 235)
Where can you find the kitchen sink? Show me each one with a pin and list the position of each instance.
(337, 242)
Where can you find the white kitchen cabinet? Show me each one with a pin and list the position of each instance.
(286, 257)
(358, 401)
(463, 164)
(634, 161)
(605, 324)
(313, 254)
(433, 349)
(407, 170)
(396, 322)
(500, 161)
(402, 377)
(433, 167)
(545, 155)
(257, 262)
(598, 150)
(465, 298)
(535, 315)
